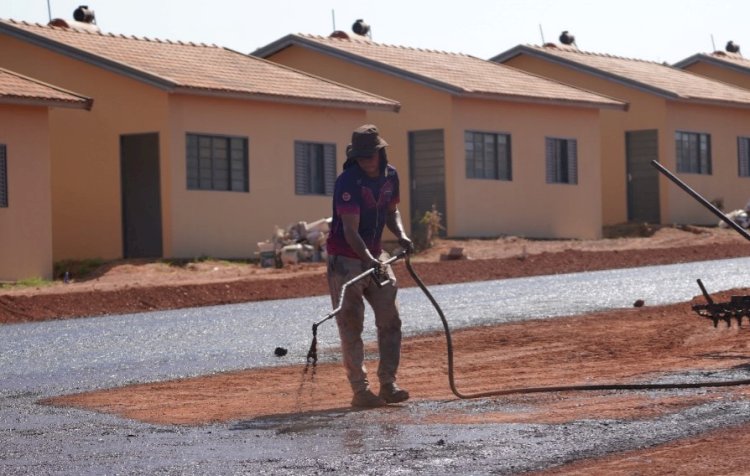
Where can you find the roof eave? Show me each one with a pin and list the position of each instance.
(389, 107)
(689, 61)
(713, 102)
(86, 57)
(522, 49)
(713, 61)
(274, 47)
(548, 101)
(296, 40)
(47, 102)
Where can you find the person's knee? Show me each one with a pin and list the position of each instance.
(350, 325)
(391, 323)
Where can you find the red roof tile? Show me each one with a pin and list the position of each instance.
(734, 58)
(657, 78)
(195, 68)
(456, 73)
(16, 88)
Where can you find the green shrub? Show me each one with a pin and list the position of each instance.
(34, 282)
(78, 269)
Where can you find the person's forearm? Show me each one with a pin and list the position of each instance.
(394, 223)
(358, 245)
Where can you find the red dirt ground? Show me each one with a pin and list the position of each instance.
(622, 346)
(136, 286)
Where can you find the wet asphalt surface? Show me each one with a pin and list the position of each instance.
(38, 360)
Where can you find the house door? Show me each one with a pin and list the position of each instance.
(141, 196)
(643, 179)
(427, 173)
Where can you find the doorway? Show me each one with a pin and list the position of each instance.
(141, 196)
(643, 179)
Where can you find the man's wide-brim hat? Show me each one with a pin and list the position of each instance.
(366, 141)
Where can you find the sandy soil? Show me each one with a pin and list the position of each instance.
(624, 346)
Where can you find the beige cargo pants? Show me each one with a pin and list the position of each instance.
(351, 318)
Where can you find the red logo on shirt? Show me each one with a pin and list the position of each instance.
(346, 197)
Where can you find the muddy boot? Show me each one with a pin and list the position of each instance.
(367, 399)
(391, 393)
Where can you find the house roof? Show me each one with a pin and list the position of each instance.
(191, 68)
(454, 73)
(19, 89)
(656, 78)
(722, 59)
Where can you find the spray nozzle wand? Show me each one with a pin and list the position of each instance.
(312, 354)
(364, 274)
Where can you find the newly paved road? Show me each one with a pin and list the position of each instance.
(60, 357)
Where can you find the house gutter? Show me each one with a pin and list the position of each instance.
(713, 102)
(86, 104)
(282, 99)
(619, 106)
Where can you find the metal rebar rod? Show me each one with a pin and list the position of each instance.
(710, 206)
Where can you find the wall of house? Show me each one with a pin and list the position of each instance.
(722, 74)
(527, 205)
(86, 210)
(26, 224)
(645, 111)
(422, 108)
(230, 224)
(724, 125)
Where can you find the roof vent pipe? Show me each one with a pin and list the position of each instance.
(567, 39)
(732, 47)
(84, 14)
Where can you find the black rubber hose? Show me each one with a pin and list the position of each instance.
(563, 388)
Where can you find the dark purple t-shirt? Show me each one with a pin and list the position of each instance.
(371, 198)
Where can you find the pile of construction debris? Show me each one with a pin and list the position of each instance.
(299, 242)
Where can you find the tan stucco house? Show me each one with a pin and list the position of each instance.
(689, 123)
(192, 149)
(496, 150)
(25, 199)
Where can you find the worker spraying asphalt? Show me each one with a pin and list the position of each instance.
(312, 354)
(365, 202)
